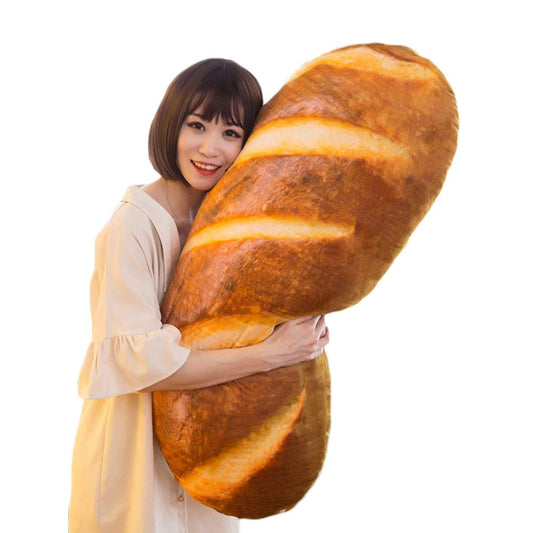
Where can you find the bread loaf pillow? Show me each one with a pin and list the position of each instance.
(342, 165)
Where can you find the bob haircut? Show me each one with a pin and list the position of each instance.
(222, 88)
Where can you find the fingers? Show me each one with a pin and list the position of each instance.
(300, 320)
(321, 327)
(316, 323)
(297, 340)
(313, 327)
(319, 345)
(323, 340)
(316, 353)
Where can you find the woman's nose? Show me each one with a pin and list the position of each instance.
(209, 145)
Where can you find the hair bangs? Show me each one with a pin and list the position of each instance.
(219, 98)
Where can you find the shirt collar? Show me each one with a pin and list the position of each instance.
(163, 223)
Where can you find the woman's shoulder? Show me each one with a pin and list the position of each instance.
(129, 218)
(140, 222)
(138, 208)
(128, 223)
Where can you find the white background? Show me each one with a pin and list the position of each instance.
(431, 373)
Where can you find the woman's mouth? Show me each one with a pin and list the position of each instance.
(205, 168)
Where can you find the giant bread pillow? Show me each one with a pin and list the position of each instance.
(343, 163)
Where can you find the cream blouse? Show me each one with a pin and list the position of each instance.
(120, 481)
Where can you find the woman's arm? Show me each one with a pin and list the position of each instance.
(292, 342)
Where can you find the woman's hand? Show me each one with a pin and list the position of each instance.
(295, 341)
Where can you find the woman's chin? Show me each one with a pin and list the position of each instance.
(202, 183)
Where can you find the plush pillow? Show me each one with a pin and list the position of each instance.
(344, 162)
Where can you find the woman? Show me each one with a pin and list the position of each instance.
(120, 481)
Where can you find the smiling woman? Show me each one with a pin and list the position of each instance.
(206, 149)
(120, 480)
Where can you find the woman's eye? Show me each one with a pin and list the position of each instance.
(194, 124)
(233, 133)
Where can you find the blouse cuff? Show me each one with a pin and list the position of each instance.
(130, 363)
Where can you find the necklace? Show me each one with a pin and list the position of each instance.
(177, 219)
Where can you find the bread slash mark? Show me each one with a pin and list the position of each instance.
(266, 227)
(319, 136)
(219, 477)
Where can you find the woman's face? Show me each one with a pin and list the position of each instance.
(206, 149)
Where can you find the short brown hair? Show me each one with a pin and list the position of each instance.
(221, 87)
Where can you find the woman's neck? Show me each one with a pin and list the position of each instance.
(184, 200)
(179, 200)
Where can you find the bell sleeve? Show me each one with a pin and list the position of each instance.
(131, 348)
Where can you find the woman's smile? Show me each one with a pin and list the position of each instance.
(207, 169)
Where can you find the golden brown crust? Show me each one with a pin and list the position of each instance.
(233, 414)
(354, 148)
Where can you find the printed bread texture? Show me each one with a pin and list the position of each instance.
(344, 162)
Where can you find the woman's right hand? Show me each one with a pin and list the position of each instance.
(295, 341)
